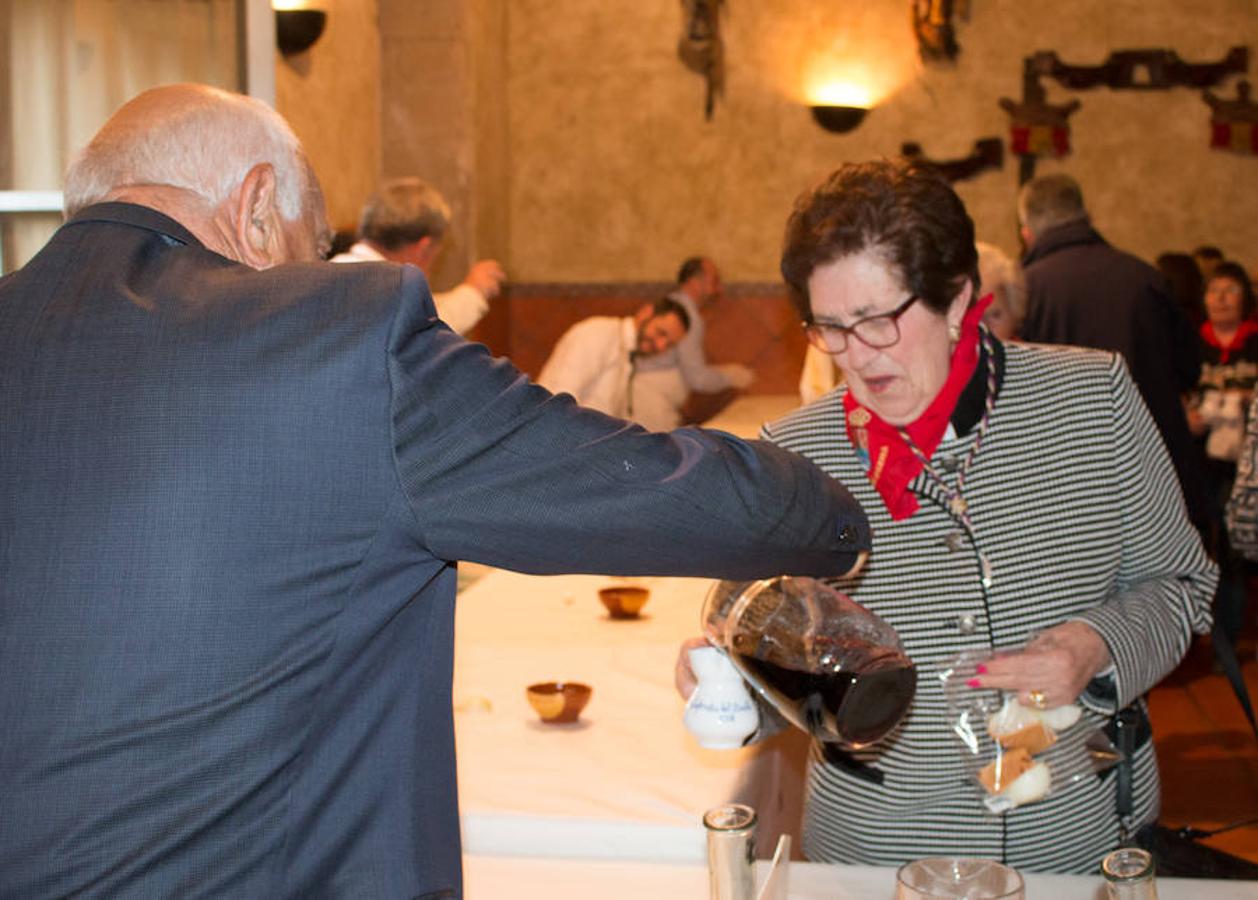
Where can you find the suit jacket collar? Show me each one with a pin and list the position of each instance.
(135, 216)
(1058, 237)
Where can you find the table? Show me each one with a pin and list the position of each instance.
(747, 413)
(490, 877)
(625, 782)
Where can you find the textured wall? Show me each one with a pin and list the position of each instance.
(615, 175)
(331, 96)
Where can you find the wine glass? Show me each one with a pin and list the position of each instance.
(959, 878)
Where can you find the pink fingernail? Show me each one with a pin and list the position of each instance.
(981, 669)
(973, 682)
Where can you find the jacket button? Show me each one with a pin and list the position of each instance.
(966, 624)
(948, 463)
(952, 540)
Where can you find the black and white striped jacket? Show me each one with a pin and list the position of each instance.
(1075, 504)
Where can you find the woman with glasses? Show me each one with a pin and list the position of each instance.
(1023, 508)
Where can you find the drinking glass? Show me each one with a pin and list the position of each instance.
(958, 878)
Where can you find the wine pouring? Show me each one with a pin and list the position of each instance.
(827, 664)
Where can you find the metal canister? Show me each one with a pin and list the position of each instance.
(731, 852)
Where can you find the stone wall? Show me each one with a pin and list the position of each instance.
(331, 96)
(572, 145)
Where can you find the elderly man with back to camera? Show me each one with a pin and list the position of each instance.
(1024, 511)
(234, 482)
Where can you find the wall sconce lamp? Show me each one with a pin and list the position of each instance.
(839, 119)
(297, 29)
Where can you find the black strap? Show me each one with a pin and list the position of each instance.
(1122, 731)
(1226, 656)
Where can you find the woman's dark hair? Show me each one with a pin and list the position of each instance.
(1236, 272)
(901, 209)
(1181, 270)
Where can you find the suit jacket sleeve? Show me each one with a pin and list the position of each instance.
(498, 470)
(1165, 581)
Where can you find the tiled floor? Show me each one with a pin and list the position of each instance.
(1207, 753)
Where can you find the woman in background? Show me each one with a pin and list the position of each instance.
(1001, 277)
(1216, 416)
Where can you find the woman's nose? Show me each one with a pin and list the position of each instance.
(857, 353)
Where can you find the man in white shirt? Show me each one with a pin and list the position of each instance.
(665, 381)
(596, 358)
(405, 222)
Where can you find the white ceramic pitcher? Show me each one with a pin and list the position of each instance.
(721, 713)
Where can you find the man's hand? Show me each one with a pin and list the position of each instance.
(1056, 666)
(487, 277)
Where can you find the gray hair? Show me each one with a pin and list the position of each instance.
(1000, 275)
(403, 211)
(1050, 200)
(195, 137)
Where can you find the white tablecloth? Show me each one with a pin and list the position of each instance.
(627, 781)
(490, 878)
(747, 413)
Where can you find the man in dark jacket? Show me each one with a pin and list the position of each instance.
(234, 481)
(1082, 291)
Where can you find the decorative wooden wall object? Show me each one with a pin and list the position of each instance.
(1141, 70)
(1038, 128)
(932, 26)
(988, 153)
(1233, 123)
(700, 46)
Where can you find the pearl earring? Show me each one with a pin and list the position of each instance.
(954, 333)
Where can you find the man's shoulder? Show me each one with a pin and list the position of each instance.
(368, 290)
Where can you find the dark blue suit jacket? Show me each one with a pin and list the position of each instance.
(229, 500)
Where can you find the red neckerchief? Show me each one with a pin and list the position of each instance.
(1247, 328)
(891, 464)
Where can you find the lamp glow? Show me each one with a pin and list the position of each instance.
(841, 93)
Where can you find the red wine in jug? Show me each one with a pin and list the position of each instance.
(847, 706)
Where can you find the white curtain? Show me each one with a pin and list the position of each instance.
(73, 62)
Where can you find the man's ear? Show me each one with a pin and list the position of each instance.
(425, 253)
(257, 224)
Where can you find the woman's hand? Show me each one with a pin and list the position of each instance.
(1054, 668)
(683, 675)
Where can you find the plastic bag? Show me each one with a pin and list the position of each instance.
(1017, 754)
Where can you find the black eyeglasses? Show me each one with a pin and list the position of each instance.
(878, 332)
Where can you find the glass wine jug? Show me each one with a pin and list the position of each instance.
(827, 664)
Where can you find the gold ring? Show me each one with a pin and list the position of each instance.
(1038, 700)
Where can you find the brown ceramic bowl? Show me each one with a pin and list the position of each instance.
(624, 602)
(559, 702)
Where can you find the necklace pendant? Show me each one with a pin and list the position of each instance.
(957, 506)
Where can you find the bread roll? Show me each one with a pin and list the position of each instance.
(1016, 776)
